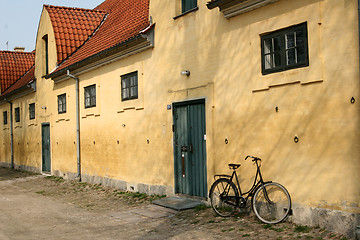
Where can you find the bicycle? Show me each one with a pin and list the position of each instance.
(270, 201)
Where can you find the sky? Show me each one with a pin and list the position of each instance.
(19, 20)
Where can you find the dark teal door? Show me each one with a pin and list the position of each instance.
(45, 139)
(190, 148)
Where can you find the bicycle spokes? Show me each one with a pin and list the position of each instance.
(224, 197)
(271, 203)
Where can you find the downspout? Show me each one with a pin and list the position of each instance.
(78, 176)
(357, 230)
(11, 133)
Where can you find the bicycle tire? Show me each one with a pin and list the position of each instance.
(224, 197)
(271, 203)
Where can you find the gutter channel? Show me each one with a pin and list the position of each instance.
(11, 132)
(78, 176)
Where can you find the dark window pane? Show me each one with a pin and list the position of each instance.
(32, 111)
(290, 56)
(276, 44)
(290, 40)
(285, 49)
(277, 60)
(129, 86)
(90, 96)
(5, 117)
(62, 103)
(17, 114)
(188, 5)
(299, 38)
(301, 57)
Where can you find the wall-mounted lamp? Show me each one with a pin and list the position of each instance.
(186, 72)
(44, 107)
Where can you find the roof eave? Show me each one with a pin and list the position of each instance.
(212, 5)
(138, 43)
(20, 92)
(232, 8)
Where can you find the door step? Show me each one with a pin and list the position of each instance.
(177, 203)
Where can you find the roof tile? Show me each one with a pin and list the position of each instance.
(28, 77)
(125, 20)
(64, 18)
(13, 65)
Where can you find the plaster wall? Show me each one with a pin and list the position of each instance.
(26, 143)
(5, 153)
(131, 142)
(224, 59)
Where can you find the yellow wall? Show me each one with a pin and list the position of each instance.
(132, 140)
(224, 59)
(26, 143)
(5, 153)
(314, 102)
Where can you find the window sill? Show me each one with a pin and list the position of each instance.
(184, 13)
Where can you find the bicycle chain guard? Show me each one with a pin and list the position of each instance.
(242, 202)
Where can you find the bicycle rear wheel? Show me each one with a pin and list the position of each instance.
(224, 197)
(271, 203)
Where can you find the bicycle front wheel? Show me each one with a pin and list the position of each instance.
(271, 203)
(224, 197)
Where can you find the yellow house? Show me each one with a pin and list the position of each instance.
(158, 96)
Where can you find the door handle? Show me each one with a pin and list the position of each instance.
(183, 163)
(191, 148)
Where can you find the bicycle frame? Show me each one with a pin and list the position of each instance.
(226, 195)
(257, 183)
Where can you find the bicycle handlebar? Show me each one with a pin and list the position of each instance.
(254, 158)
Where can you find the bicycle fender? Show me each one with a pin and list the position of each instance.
(222, 176)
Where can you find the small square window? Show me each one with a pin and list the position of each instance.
(62, 103)
(90, 96)
(285, 49)
(129, 86)
(17, 114)
(32, 110)
(187, 5)
(5, 117)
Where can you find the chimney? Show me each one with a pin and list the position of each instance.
(19, 49)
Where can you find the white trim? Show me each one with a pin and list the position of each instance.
(243, 7)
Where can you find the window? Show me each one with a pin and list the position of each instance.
(46, 53)
(5, 117)
(129, 86)
(285, 49)
(90, 96)
(62, 103)
(187, 5)
(17, 114)
(32, 111)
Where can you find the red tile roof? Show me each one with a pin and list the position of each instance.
(13, 65)
(72, 27)
(22, 82)
(125, 20)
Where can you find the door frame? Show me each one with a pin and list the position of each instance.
(42, 146)
(201, 100)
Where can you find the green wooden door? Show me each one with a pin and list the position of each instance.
(190, 148)
(45, 139)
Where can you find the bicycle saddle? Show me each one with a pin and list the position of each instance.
(233, 165)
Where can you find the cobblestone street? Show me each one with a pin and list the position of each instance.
(39, 207)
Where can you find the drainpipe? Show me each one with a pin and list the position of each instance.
(12, 133)
(357, 231)
(78, 176)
